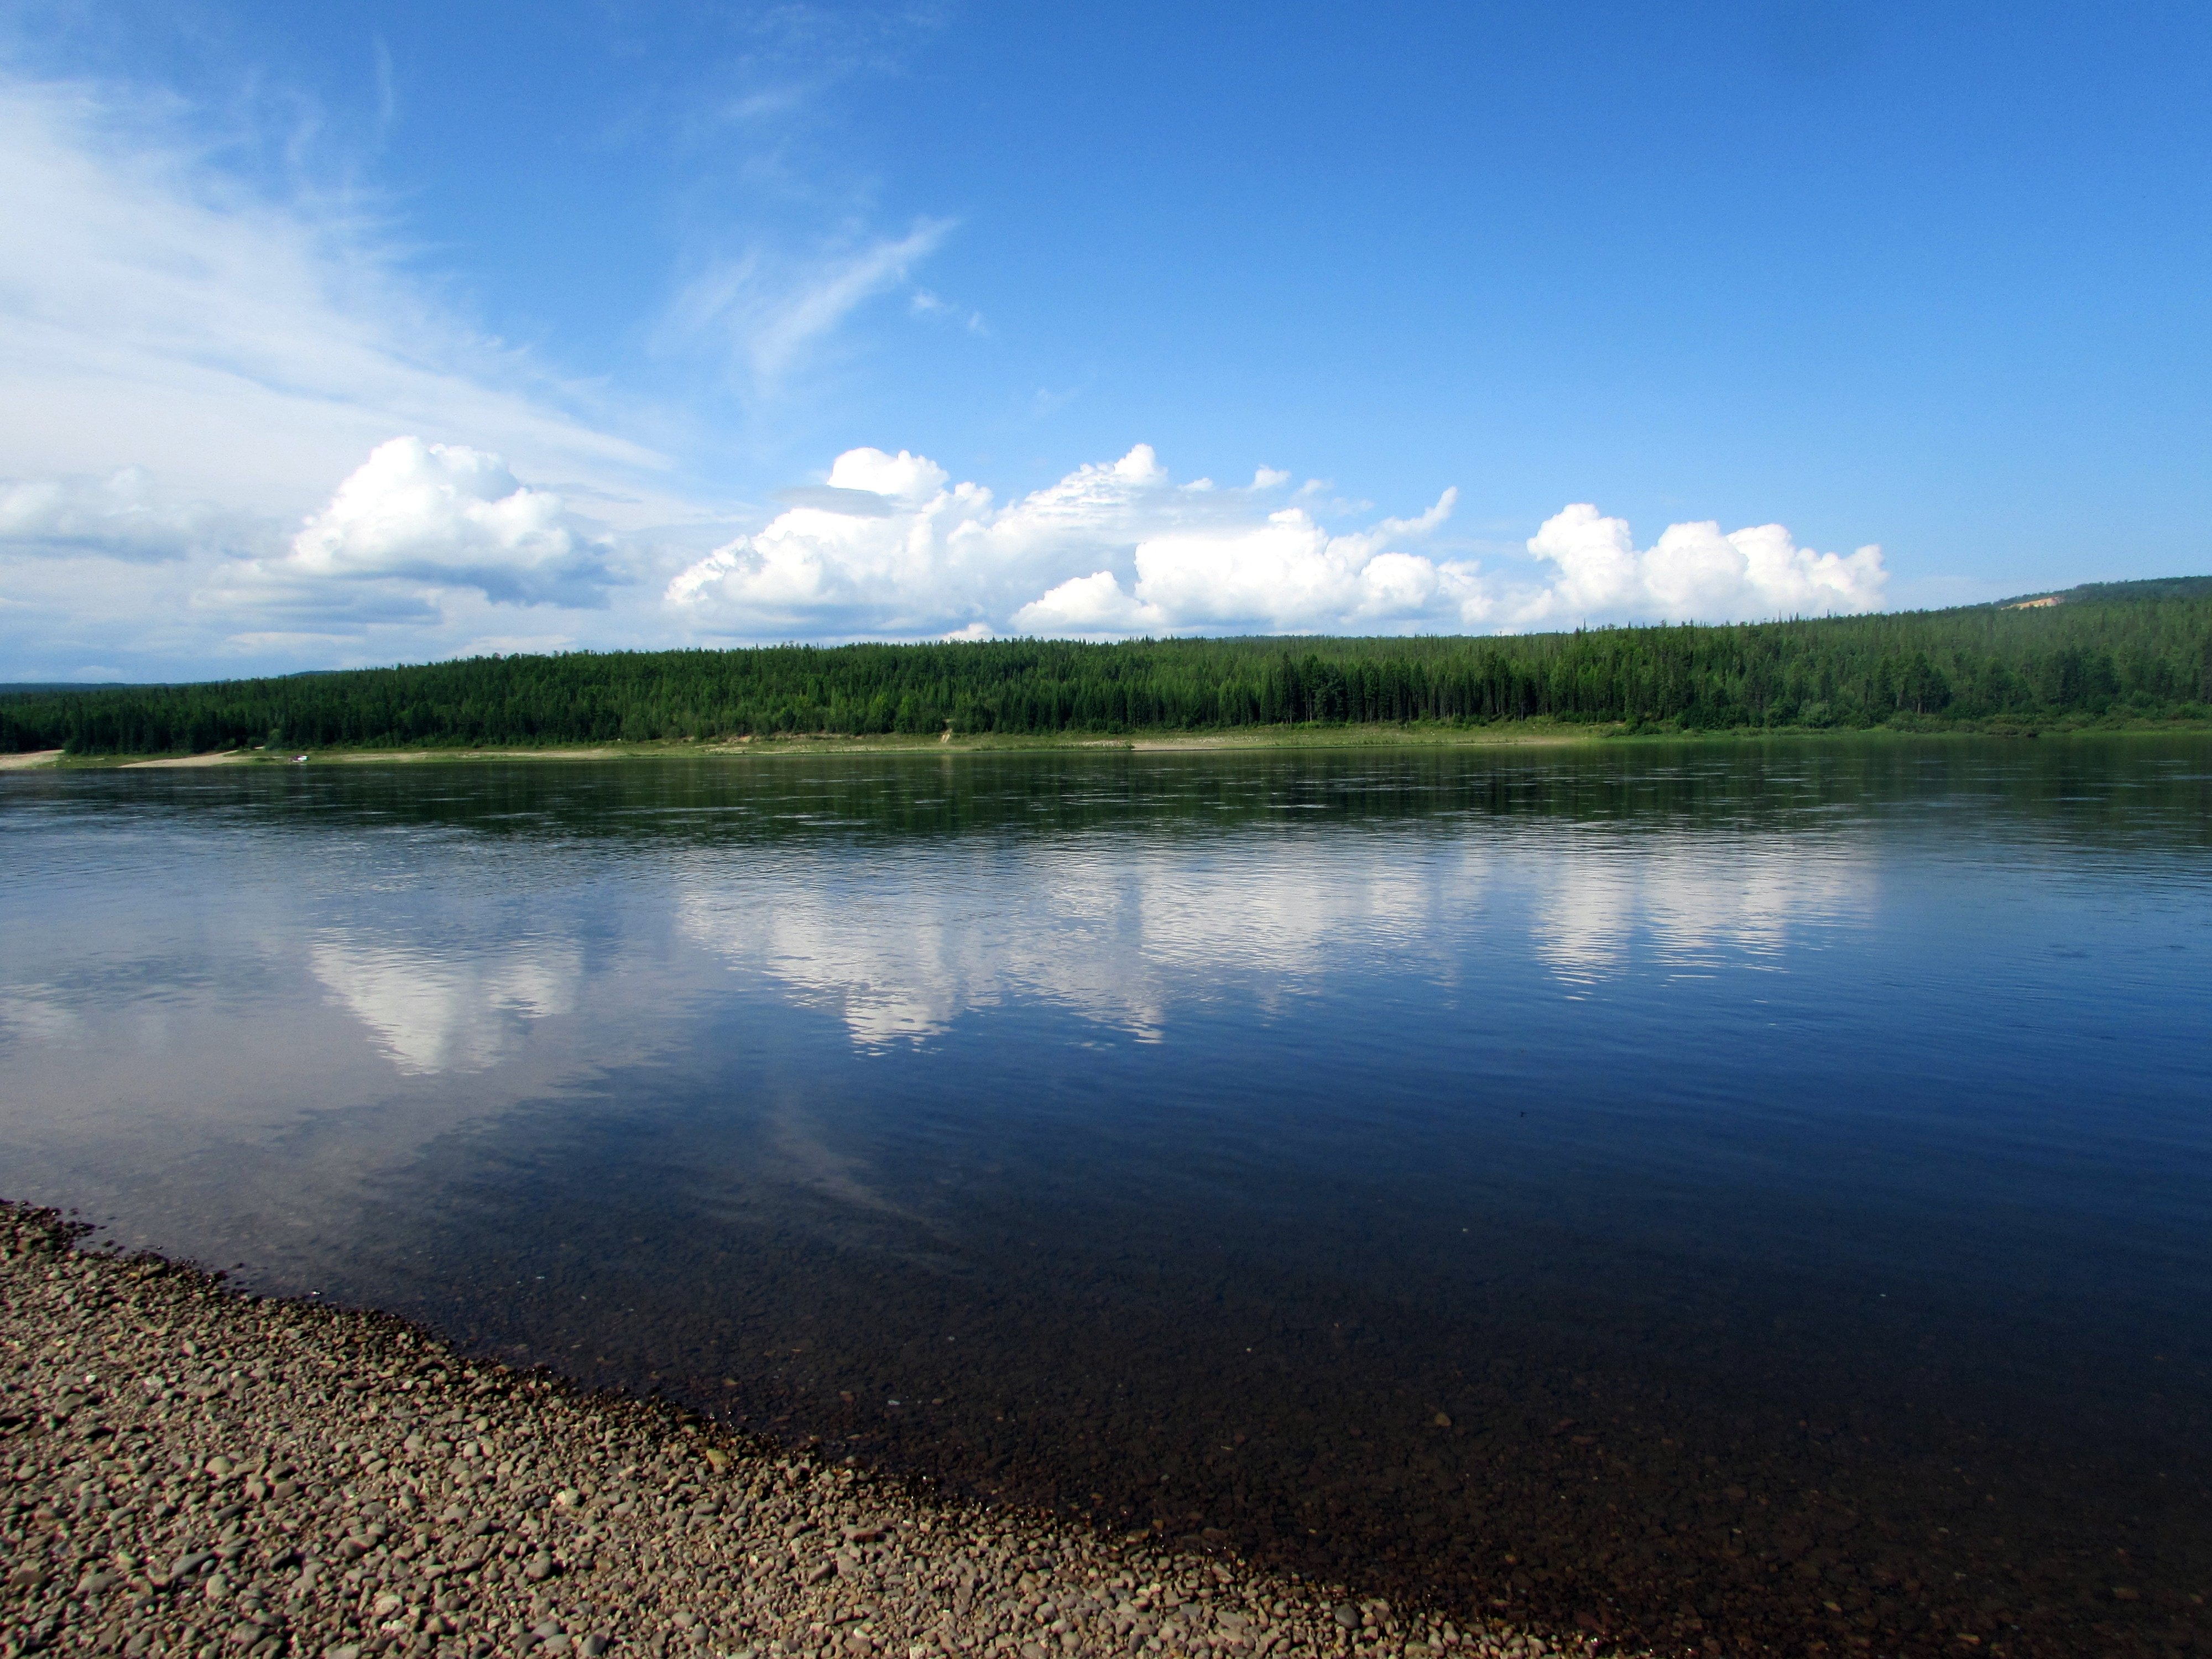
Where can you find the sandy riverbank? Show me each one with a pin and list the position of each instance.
(1530, 734)
(1512, 735)
(193, 1471)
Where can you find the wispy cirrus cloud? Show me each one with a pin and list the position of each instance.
(194, 369)
(773, 310)
(938, 308)
(156, 313)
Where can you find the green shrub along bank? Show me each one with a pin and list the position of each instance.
(2112, 651)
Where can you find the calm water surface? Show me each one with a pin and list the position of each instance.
(1746, 1199)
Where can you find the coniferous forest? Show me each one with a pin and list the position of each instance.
(2138, 649)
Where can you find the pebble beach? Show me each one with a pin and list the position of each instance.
(190, 1470)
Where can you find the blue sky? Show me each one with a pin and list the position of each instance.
(355, 333)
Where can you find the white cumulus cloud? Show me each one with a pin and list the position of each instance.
(451, 516)
(891, 546)
(1692, 573)
(1286, 574)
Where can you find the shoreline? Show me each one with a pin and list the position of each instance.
(1531, 735)
(197, 1470)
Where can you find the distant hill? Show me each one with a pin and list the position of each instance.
(2156, 587)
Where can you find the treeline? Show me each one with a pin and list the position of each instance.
(2086, 658)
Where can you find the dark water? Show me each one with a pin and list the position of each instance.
(1753, 1200)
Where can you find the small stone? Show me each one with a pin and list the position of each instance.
(594, 1646)
(567, 1497)
(1442, 1420)
(1345, 1615)
(682, 1621)
(540, 1568)
(385, 1605)
(717, 1459)
(219, 1466)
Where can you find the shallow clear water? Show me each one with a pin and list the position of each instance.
(1748, 1196)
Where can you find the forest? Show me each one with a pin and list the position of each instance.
(2129, 650)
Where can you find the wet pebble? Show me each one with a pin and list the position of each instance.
(191, 1470)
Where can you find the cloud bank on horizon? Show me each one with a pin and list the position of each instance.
(421, 535)
(890, 547)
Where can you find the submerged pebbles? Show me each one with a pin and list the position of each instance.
(190, 1471)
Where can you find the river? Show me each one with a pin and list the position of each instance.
(1743, 1197)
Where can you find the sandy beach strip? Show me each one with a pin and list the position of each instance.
(29, 758)
(194, 1471)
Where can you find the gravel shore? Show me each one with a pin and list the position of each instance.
(189, 1470)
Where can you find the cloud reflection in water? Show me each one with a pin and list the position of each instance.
(1123, 935)
(432, 1010)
